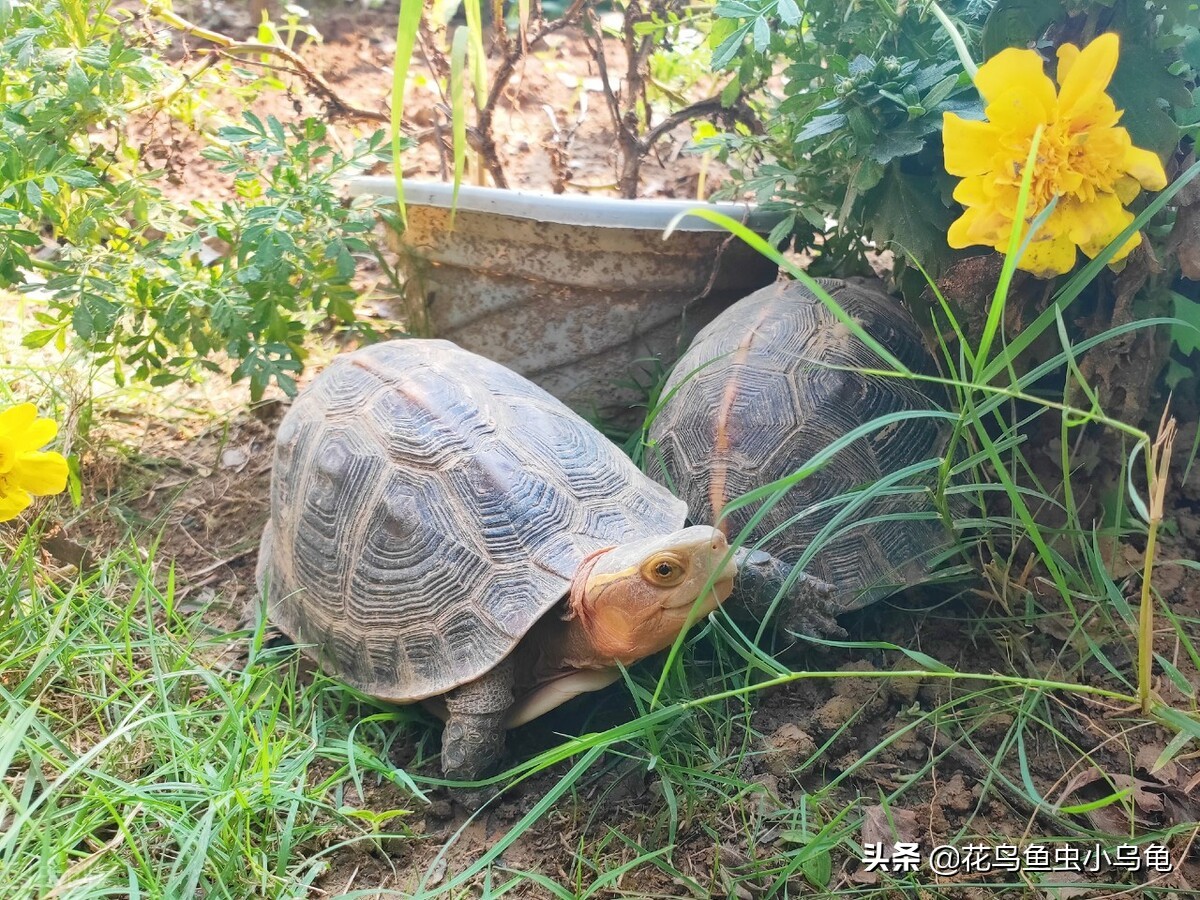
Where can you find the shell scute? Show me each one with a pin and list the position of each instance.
(416, 435)
(343, 473)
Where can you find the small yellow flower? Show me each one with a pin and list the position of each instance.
(1084, 158)
(24, 470)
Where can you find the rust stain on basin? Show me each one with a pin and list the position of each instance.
(579, 310)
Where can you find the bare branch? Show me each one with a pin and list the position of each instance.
(508, 65)
(710, 106)
(317, 84)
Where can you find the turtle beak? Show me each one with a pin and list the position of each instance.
(723, 584)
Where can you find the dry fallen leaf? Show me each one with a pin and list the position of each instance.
(886, 825)
(1114, 817)
(1148, 754)
(889, 825)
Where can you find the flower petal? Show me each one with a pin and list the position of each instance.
(1088, 73)
(1017, 112)
(1146, 167)
(958, 234)
(13, 501)
(985, 225)
(17, 418)
(969, 145)
(1013, 70)
(1073, 219)
(1047, 258)
(1108, 219)
(994, 228)
(973, 191)
(1125, 249)
(1092, 113)
(40, 473)
(38, 434)
(1067, 54)
(1127, 188)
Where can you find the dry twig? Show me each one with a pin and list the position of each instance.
(317, 84)
(1158, 465)
(516, 51)
(634, 147)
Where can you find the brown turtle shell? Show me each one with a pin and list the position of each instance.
(428, 506)
(755, 397)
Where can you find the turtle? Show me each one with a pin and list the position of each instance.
(764, 387)
(442, 530)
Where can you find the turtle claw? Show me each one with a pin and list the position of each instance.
(809, 606)
(812, 609)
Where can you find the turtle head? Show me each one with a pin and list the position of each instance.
(633, 600)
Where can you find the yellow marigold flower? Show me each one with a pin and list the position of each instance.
(1084, 158)
(24, 470)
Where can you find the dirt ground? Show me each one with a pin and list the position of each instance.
(552, 127)
(201, 481)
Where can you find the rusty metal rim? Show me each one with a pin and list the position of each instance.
(566, 209)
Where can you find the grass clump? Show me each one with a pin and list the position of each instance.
(138, 765)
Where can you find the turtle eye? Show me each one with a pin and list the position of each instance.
(664, 570)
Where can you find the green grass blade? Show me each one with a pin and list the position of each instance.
(478, 57)
(407, 25)
(1012, 256)
(458, 112)
(924, 660)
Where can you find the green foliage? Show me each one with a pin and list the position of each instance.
(60, 77)
(152, 285)
(856, 134)
(680, 62)
(1186, 332)
(855, 138)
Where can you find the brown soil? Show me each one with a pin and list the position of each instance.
(553, 129)
(201, 481)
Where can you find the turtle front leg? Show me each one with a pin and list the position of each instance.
(810, 606)
(473, 739)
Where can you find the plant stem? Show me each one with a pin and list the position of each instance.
(1146, 621)
(47, 266)
(960, 46)
(1158, 464)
